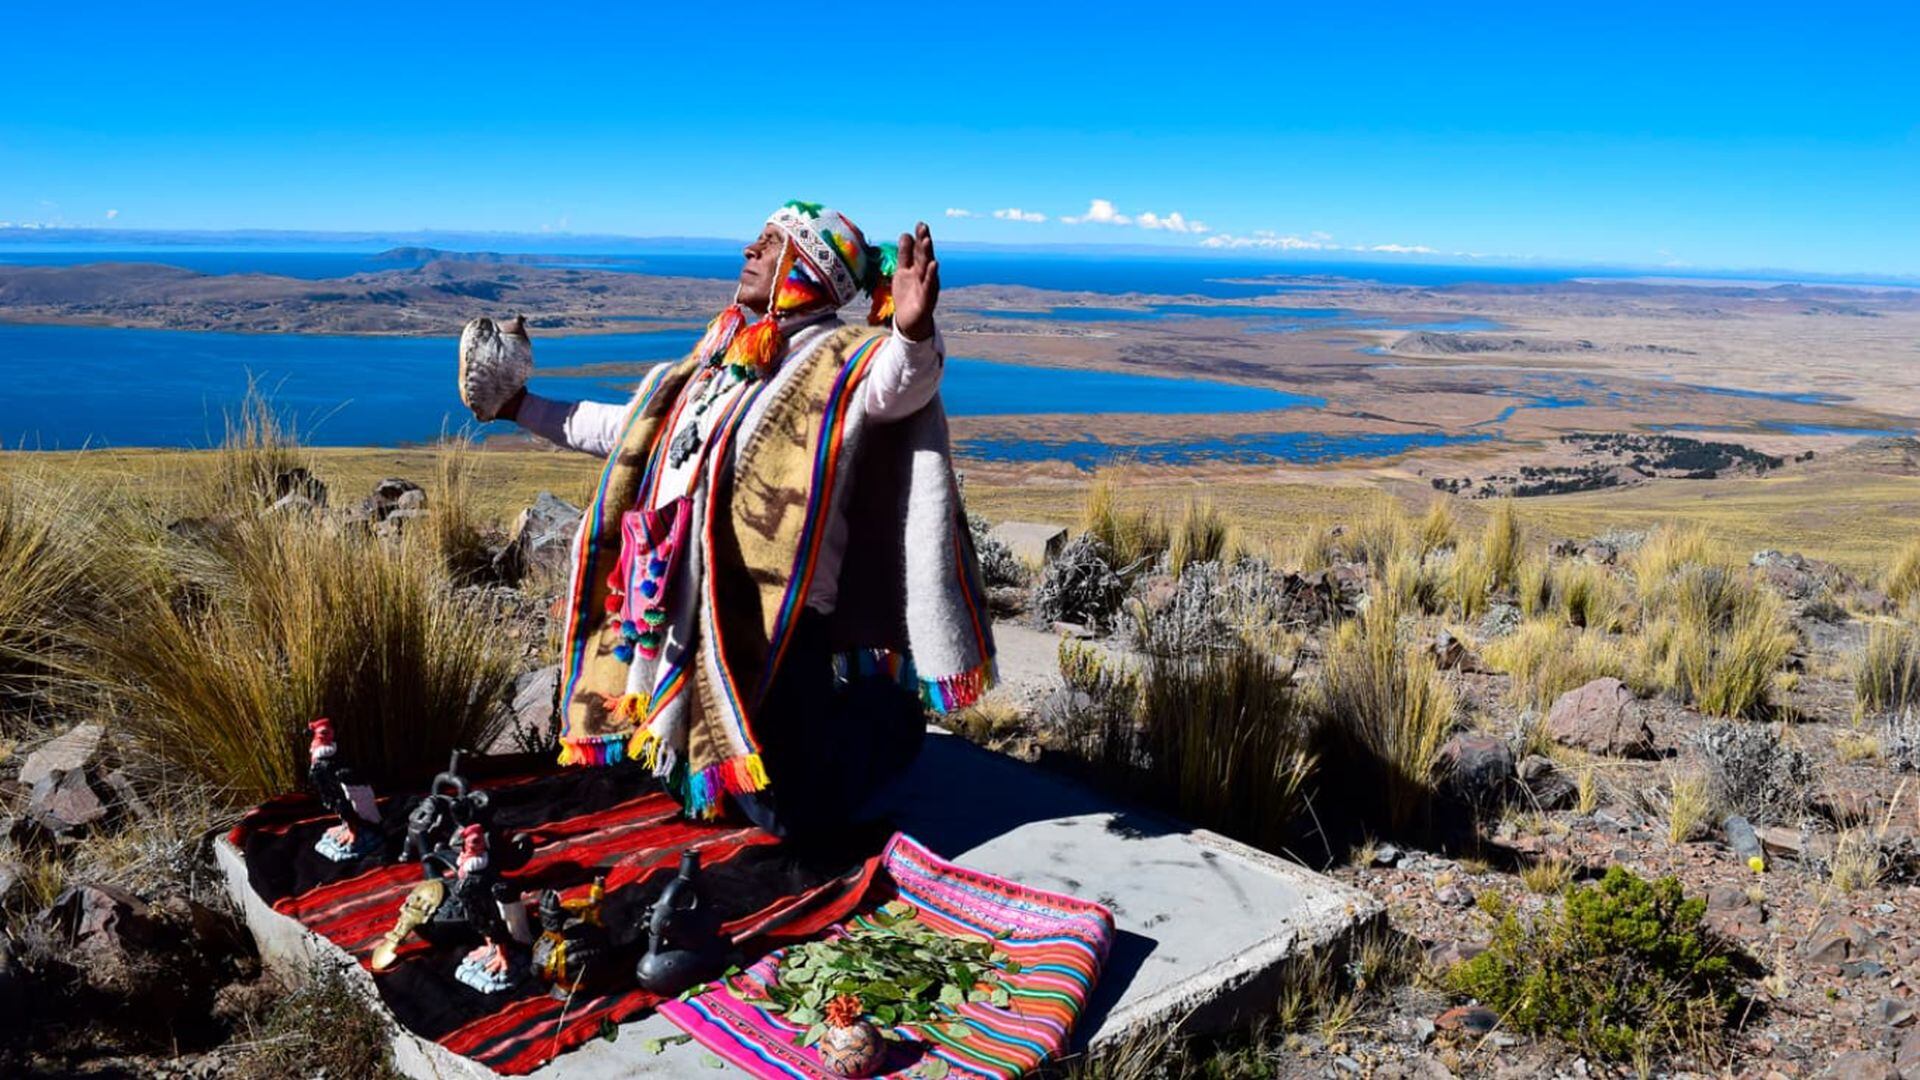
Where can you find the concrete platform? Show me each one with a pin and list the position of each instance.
(1204, 923)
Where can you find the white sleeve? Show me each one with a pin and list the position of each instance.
(905, 376)
(591, 427)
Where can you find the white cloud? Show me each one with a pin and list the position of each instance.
(1403, 249)
(1100, 212)
(1014, 213)
(111, 214)
(1173, 222)
(954, 211)
(1267, 239)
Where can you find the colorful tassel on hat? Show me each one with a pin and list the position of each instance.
(756, 348)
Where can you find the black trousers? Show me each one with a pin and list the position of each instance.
(829, 748)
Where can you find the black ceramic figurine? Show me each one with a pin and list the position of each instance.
(341, 791)
(573, 952)
(683, 935)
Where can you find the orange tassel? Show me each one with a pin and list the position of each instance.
(758, 346)
(882, 309)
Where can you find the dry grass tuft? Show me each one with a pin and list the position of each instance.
(1200, 536)
(1886, 676)
(1688, 806)
(1902, 581)
(1547, 658)
(1713, 636)
(454, 530)
(1547, 877)
(1382, 701)
(1502, 545)
(1130, 536)
(1665, 551)
(1858, 862)
(1438, 529)
(324, 1027)
(50, 587)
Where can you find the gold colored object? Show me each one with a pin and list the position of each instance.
(415, 910)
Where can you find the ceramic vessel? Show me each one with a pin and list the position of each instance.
(852, 1049)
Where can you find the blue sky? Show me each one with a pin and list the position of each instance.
(1697, 135)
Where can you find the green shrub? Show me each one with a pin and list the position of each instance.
(1621, 970)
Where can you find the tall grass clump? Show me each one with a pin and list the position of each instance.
(1588, 596)
(275, 621)
(1902, 582)
(1201, 536)
(1220, 737)
(1886, 677)
(1715, 638)
(260, 451)
(453, 530)
(1471, 580)
(1130, 536)
(1437, 529)
(1665, 551)
(49, 586)
(1384, 706)
(1503, 545)
(1379, 535)
(1547, 658)
(1316, 547)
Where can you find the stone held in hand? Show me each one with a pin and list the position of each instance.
(1602, 717)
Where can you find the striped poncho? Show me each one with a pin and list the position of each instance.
(910, 603)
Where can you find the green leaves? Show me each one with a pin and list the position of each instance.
(903, 972)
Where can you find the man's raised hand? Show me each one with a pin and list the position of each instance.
(916, 284)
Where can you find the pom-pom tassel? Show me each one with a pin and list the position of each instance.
(757, 347)
(882, 311)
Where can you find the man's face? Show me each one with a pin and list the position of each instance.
(757, 273)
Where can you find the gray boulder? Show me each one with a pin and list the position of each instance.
(65, 803)
(1479, 769)
(1030, 542)
(79, 748)
(541, 539)
(1602, 717)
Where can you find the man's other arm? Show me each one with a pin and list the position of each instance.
(905, 376)
(591, 427)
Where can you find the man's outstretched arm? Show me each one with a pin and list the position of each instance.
(591, 427)
(906, 372)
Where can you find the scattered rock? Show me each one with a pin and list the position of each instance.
(1072, 630)
(1445, 955)
(1449, 652)
(536, 698)
(1480, 769)
(1470, 1020)
(1548, 787)
(79, 748)
(1734, 913)
(1386, 855)
(1030, 542)
(1860, 1065)
(1892, 1012)
(1778, 840)
(1499, 621)
(1907, 1058)
(388, 496)
(297, 481)
(1602, 717)
(1454, 895)
(1837, 939)
(395, 522)
(126, 796)
(65, 803)
(541, 539)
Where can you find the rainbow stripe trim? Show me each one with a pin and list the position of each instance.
(578, 750)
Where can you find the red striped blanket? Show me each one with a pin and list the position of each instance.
(1060, 942)
(580, 823)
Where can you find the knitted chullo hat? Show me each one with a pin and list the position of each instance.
(825, 263)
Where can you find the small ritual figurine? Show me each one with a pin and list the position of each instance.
(683, 935)
(850, 1046)
(489, 968)
(337, 787)
(462, 896)
(573, 944)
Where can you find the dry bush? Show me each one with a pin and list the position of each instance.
(1201, 536)
(1547, 658)
(1549, 876)
(1379, 535)
(1533, 587)
(324, 1027)
(1857, 862)
(1417, 584)
(1886, 677)
(274, 621)
(1472, 580)
(1755, 771)
(1382, 702)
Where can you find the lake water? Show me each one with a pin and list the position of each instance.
(72, 386)
(1252, 449)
